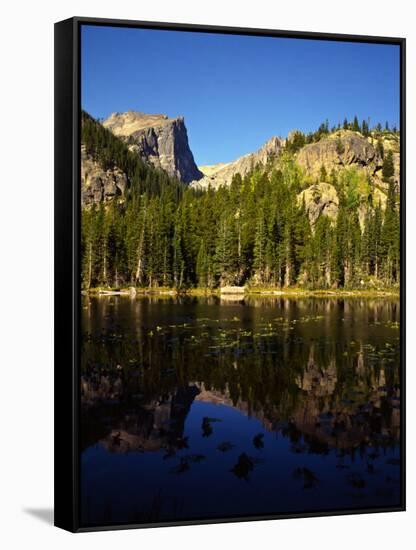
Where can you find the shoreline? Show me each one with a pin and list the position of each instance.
(247, 293)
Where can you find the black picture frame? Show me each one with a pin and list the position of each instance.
(67, 261)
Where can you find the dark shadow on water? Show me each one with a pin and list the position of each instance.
(277, 405)
(42, 514)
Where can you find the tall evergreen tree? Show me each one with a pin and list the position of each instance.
(255, 231)
(388, 166)
(356, 125)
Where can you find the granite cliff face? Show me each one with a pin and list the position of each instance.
(222, 174)
(338, 150)
(320, 199)
(163, 143)
(348, 149)
(99, 185)
(157, 139)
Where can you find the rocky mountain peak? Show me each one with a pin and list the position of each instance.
(221, 174)
(157, 139)
(126, 124)
(342, 148)
(271, 147)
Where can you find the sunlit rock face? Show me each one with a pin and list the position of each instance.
(157, 139)
(99, 185)
(341, 149)
(348, 149)
(320, 199)
(221, 174)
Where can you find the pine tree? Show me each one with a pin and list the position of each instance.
(380, 148)
(178, 260)
(340, 243)
(339, 146)
(321, 271)
(253, 231)
(140, 252)
(203, 267)
(226, 252)
(356, 125)
(302, 238)
(388, 167)
(390, 238)
(377, 221)
(260, 249)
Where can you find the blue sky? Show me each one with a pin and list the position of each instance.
(235, 92)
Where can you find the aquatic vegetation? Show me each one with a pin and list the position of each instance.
(258, 441)
(243, 467)
(193, 458)
(225, 446)
(306, 475)
(181, 468)
(315, 388)
(206, 425)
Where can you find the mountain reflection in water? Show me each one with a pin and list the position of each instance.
(194, 407)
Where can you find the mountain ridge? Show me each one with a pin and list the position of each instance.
(163, 142)
(320, 210)
(222, 173)
(157, 139)
(317, 162)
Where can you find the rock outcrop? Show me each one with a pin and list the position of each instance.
(320, 199)
(391, 142)
(99, 185)
(340, 149)
(222, 174)
(157, 139)
(163, 143)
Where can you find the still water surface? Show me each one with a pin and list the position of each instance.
(204, 408)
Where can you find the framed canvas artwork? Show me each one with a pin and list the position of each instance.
(229, 274)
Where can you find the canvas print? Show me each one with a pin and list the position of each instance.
(240, 276)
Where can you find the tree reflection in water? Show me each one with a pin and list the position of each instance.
(322, 374)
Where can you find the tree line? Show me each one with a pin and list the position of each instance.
(298, 139)
(253, 232)
(256, 231)
(111, 152)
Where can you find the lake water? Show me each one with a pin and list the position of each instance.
(206, 408)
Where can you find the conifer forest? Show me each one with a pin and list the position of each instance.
(254, 232)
